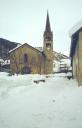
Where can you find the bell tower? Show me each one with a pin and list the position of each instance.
(48, 47)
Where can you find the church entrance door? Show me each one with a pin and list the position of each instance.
(26, 70)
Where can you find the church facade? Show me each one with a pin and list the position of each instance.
(26, 59)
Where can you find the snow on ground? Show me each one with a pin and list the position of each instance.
(55, 103)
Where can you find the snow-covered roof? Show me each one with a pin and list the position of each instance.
(38, 48)
(15, 48)
(73, 33)
(59, 56)
(75, 28)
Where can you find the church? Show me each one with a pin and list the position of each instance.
(26, 59)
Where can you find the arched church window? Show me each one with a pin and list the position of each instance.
(25, 58)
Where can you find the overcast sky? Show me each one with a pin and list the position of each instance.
(24, 21)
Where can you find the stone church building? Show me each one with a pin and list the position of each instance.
(26, 59)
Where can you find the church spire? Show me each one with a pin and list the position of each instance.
(48, 28)
(48, 36)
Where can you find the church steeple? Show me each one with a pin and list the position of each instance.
(48, 28)
(48, 36)
(48, 33)
(48, 47)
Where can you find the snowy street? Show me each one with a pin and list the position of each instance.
(55, 103)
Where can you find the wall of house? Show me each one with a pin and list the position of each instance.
(80, 59)
(75, 63)
(56, 66)
(77, 60)
(35, 60)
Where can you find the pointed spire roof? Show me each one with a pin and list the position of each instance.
(48, 28)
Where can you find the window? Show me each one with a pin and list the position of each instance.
(25, 58)
(48, 46)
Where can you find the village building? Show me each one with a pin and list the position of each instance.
(61, 63)
(76, 52)
(26, 59)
